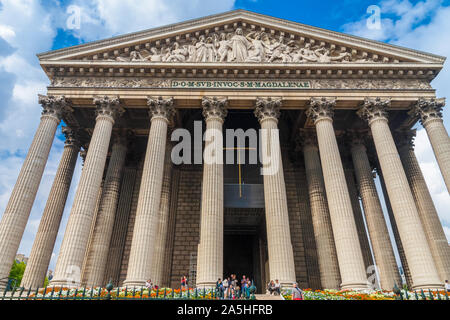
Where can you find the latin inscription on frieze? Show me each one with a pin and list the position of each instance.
(230, 84)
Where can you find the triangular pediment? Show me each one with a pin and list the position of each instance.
(239, 37)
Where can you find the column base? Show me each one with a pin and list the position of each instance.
(134, 283)
(432, 287)
(206, 285)
(355, 286)
(64, 284)
(287, 284)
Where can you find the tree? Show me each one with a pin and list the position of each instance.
(17, 271)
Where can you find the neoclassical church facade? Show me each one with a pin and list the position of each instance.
(341, 109)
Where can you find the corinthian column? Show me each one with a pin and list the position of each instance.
(351, 263)
(101, 237)
(281, 256)
(119, 234)
(427, 211)
(376, 224)
(430, 113)
(44, 243)
(210, 248)
(163, 224)
(418, 254)
(323, 232)
(147, 213)
(73, 247)
(357, 212)
(19, 206)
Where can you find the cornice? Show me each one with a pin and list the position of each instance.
(242, 70)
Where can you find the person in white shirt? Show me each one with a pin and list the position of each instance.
(226, 287)
(447, 286)
(277, 288)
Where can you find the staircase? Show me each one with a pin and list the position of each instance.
(267, 297)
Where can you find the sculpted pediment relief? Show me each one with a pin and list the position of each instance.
(244, 46)
(239, 37)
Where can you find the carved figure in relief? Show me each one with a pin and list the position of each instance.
(306, 54)
(239, 47)
(324, 55)
(222, 46)
(154, 56)
(192, 50)
(178, 54)
(201, 54)
(257, 51)
(277, 49)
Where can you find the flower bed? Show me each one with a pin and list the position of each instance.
(310, 294)
(122, 293)
(193, 294)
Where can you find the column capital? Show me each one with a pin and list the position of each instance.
(83, 153)
(428, 109)
(72, 138)
(215, 108)
(108, 107)
(357, 139)
(160, 108)
(374, 109)
(122, 137)
(306, 138)
(267, 108)
(405, 139)
(321, 109)
(54, 106)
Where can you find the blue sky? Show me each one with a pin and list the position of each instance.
(28, 27)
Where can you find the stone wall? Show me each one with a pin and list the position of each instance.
(131, 219)
(187, 224)
(303, 243)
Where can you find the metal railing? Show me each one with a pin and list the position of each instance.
(110, 293)
(8, 283)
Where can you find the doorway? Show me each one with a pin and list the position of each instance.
(245, 250)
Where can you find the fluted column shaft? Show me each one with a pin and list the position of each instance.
(147, 214)
(120, 226)
(427, 212)
(351, 263)
(357, 213)
(323, 232)
(85, 268)
(163, 224)
(418, 254)
(17, 212)
(98, 252)
(376, 224)
(210, 248)
(398, 240)
(44, 242)
(430, 113)
(441, 146)
(76, 236)
(281, 255)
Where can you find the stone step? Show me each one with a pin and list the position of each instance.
(267, 297)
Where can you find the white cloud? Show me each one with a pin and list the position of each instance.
(104, 18)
